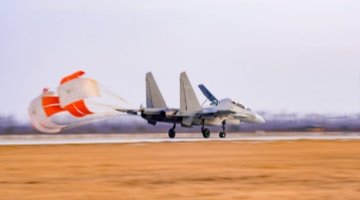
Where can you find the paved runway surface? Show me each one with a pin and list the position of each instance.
(155, 138)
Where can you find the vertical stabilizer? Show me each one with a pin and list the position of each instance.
(189, 103)
(154, 99)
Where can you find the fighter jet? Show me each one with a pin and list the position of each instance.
(219, 113)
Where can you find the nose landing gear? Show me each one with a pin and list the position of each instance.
(222, 134)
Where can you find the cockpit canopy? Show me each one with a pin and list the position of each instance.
(238, 103)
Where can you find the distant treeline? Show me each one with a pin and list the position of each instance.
(274, 122)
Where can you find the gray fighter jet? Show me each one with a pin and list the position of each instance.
(219, 113)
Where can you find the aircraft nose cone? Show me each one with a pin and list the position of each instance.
(258, 119)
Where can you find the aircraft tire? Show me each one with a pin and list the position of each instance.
(172, 133)
(206, 133)
(222, 134)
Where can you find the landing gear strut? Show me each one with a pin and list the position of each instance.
(222, 134)
(205, 131)
(172, 132)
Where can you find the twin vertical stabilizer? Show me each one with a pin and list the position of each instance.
(154, 98)
(189, 103)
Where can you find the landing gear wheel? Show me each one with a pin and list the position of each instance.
(206, 133)
(222, 134)
(172, 133)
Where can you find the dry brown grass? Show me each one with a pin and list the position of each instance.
(197, 170)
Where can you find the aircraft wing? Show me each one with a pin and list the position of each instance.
(213, 112)
(241, 116)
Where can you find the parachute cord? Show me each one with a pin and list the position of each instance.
(114, 95)
(75, 125)
(104, 105)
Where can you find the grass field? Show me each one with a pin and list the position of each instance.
(185, 170)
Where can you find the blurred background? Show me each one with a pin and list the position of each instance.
(275, 122)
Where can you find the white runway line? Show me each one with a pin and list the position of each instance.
(114, 140)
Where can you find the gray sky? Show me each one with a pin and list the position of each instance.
(292, 56)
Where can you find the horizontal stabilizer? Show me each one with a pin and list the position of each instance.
(128, 111)
(187, 121)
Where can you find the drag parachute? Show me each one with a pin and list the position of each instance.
(40, 111)
(73, 101)
(72, 92)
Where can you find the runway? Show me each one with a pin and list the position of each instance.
(239, 167)
(158, 138)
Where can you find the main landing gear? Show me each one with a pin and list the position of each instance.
(205, 131)
(172, 132)
(222, 134)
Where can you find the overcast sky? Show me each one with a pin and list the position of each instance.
(277, 56)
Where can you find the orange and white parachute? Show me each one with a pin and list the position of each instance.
(73, 100)
(72, 92)
(41, 109)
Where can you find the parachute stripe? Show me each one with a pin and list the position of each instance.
(52, 110)
(51, 105)
(80, 105)
(74, 111)
(50, 100)
(72, 76)
(78, 109)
